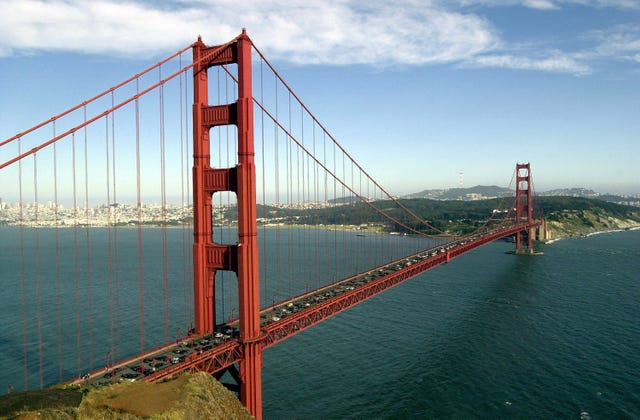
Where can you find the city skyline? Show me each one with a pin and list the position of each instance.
(464, 86)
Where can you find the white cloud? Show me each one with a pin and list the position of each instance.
(554, 4)
(621, 42)
(340, 32)
(104, 27)
(620, 4)
(541, 4)
(556, 62)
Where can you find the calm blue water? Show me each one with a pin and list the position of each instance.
(491, 335)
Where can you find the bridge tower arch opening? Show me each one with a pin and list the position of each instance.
(208, 256)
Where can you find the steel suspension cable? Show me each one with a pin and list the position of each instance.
(139, 229)
(289, 182)
(342, 149)
(88, 240)
(76, 257)
(264, 246)
(87, 121)
(334, 175)
(94, 98)
(37, 265)
(115, 350)
(491, 218)
(57, 250)
(301, 181)
(163, 195)
(315, 200)
(183, 153)
(109, 239)
(277, 192)
(335, 203)
(23, 274)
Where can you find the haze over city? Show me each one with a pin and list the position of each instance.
(416, 91)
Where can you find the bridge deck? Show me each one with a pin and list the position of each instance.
(215, 352)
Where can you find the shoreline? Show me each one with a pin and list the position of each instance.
(350, 228)
(587, 235)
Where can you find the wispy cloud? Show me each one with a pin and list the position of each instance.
(621, 42)
(342, 32)
(554, 4)
(556, 62)
(541, 4)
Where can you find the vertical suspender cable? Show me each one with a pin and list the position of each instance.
(109, 242)
(289, 179)
(163, 192)
(115, 351)
(347, 206)
(264, 247)
(315, 202)
(22, 272)
(224, 273)
(277, 192)
(187, 143)
(325, 246)
(185, 321)
(353, 257)
(303, 180)
(76, 265)
(336, 219)
(139, 206)
(88, 240)
(37, 263)
(57, 246)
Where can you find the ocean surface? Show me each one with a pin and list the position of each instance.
(490, 335)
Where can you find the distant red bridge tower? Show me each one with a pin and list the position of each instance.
(208, 256)
(524, 208)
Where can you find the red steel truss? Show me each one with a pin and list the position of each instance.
(306, 318)
(212, 361)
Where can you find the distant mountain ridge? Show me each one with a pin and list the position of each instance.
(479, 192)
(482, 192)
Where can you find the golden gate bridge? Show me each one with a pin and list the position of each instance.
(263, 167)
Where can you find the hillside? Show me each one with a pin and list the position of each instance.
(471, 193)
(576, 216)
(189, 396)
(566, 216)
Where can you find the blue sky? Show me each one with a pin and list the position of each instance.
(416, 91)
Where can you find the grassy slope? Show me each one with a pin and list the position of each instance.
(190, 396)
(567, 216)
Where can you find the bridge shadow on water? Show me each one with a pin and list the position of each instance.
(403, 352)
(482, 351)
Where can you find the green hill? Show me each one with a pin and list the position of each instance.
(566, 216)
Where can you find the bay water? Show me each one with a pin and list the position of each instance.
(490, 335)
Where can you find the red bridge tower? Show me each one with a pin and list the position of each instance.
(208, 256)
(524, 208)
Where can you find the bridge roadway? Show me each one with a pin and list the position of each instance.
(215, 352)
